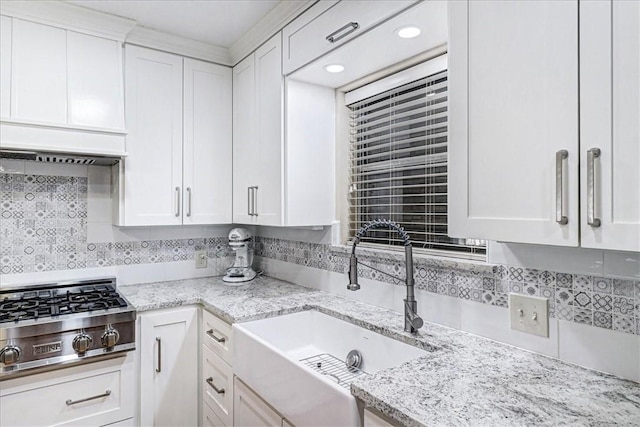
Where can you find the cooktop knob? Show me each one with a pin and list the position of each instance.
(110, 337)
(81, 343)
(10, 354)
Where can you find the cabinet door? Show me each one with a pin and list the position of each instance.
(513, 82)
(169, 368)
(270, 104)
(245, 143)
(95, 81)
(610, 112)
(250, 410)
(207, 162)
(39, 73)
(153, 166)
(5, 66)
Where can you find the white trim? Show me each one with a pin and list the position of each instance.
(147, 37)
(419, 71)
(70, 17)
(283, 13)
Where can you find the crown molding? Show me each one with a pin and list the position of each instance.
(147, 37)
(70, 17)
(283, 13)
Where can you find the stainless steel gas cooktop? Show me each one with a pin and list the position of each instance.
(54, 325)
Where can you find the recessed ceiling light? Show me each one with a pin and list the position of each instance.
(408, 32)
(334, 68)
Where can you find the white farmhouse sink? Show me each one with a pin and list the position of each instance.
(268, 358)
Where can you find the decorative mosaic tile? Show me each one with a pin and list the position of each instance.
(583, 315)
(531, 289)
(623, 287)
(582, 283)
(602, 285)
(623, 323)
(488, 297)
(602, 302)
(548, 292)
(488, 284)
(501, 300)
(582, 299)
(564, 280)
(547, 278)
(624, 306)
(602, 320)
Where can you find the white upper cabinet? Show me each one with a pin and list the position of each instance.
(329, 24)
(153, 167)
(178, 168)
(610, 122)
(283, 162)
(207, 164)
(520, 171)
(513, 83)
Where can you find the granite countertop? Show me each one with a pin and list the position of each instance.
(464, 380)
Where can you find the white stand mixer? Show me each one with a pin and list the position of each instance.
(241, 270)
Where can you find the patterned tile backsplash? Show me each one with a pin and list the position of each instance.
(603, 302)
(43, 227)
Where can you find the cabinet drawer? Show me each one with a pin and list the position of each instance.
(217, 336)
(305, 39)
(209, 418)
(97, 397)
(216, 374)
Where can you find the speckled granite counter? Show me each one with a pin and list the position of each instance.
(465, 380)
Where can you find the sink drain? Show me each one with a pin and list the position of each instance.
(354, 360)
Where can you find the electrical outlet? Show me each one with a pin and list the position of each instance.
(529, 314)
(201, 259)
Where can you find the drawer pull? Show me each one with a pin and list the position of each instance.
(159, 341)
(70, 402)
(213, 386)
(331, 38)
(220, 340)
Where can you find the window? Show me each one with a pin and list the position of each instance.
(398, 148)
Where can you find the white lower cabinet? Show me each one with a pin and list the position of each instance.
(251, 411)
(98, 394)
(216, 375)
(169, 367)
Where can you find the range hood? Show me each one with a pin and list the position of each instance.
(59, 157)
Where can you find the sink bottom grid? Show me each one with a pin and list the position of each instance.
(334, 368)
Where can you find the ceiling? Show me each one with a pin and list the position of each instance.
(217, 22)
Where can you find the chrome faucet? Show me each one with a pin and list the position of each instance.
(412, 322)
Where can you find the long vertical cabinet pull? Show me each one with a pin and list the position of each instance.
(561, 217)
(249, 199)
(189, 201)
(177, 201)
(592, 180)
(159, 341)
(255, 201)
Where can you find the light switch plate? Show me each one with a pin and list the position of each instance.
(201, 259)
(529, 314)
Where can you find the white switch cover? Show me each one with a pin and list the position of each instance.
(529, 314)
(201, 259)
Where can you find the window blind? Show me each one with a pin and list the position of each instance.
(398, 148)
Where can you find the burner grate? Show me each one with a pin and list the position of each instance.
(57, 302)
(334, 368)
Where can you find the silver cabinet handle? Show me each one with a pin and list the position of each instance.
(561, 217)
(255, 201)
(159, 341)
(592, 195)
(70, 402)
(213, 386)
(220, 340)
(188, 201)
(332, 38)
(177, 201)
(249, 201)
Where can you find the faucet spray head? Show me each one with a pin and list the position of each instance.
(353, 274)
